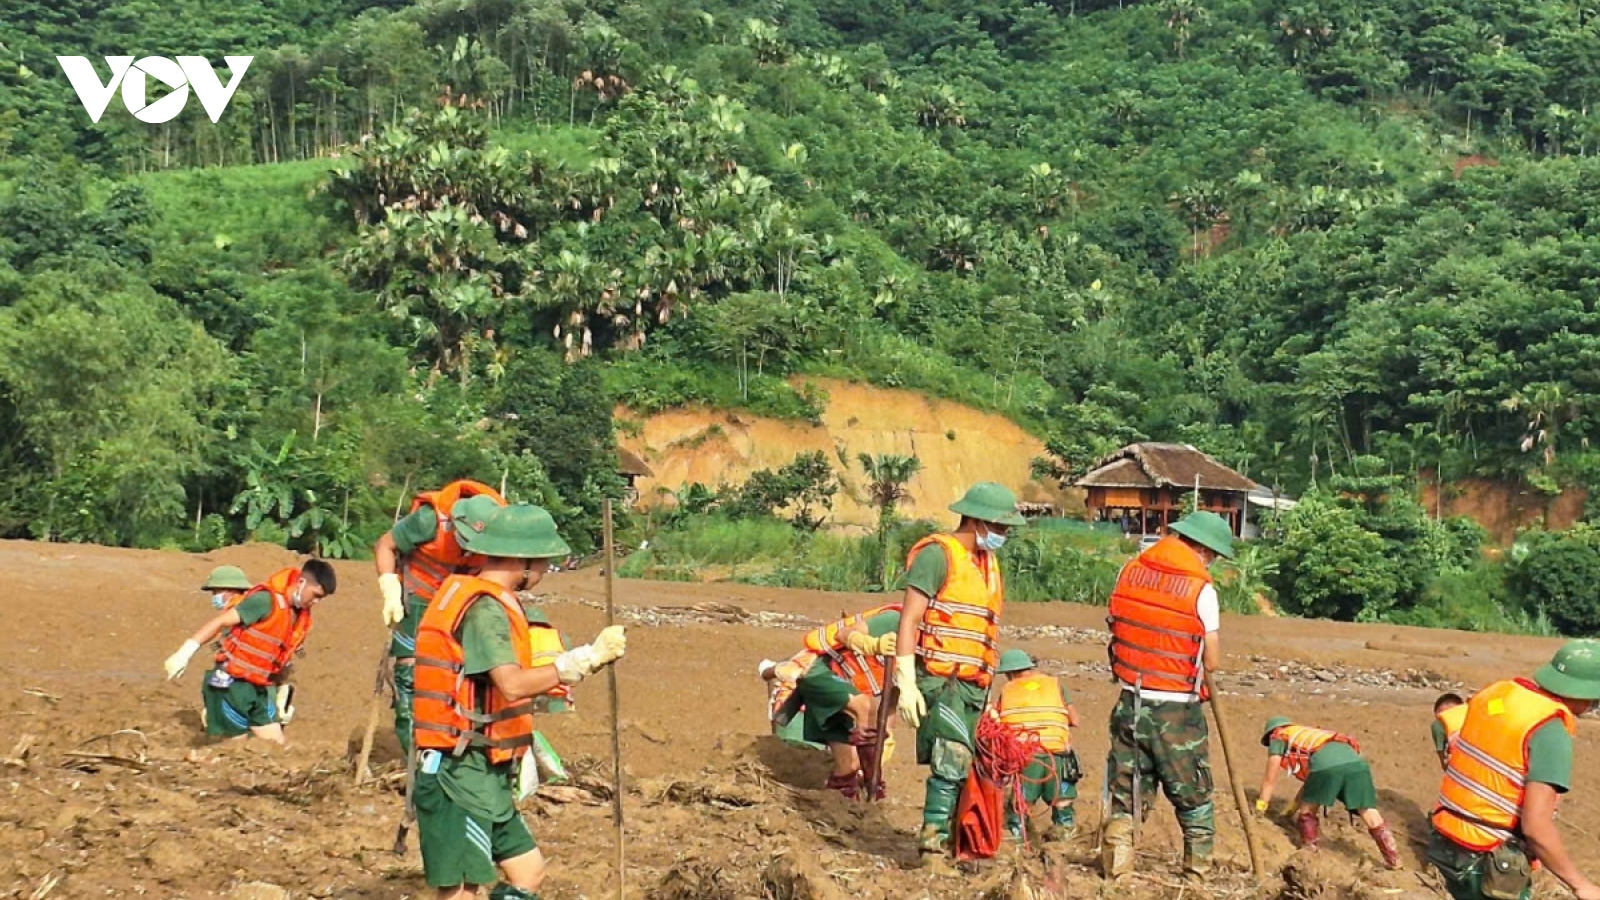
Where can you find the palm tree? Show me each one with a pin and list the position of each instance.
(887, 475)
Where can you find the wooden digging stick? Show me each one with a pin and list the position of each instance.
(616, 720)
(1258, 864)
(374, 711)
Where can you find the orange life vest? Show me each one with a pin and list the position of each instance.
(427, 566)
(545, 644)
(959, 635)
(257, 653)
(1035, 704)
(453, 711)
(865, 672)
(1480, 799)
(1452, 719)
(1304, 741)
(1156, 634)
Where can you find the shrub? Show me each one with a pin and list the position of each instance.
(1558, 574)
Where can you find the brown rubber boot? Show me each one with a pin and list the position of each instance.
(1384, 838)
(1310, 827)
(933, 853)
(1116, 852)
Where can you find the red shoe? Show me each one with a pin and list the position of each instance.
(1310, 829)
(1386, 845)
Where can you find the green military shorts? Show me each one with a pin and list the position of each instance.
(459, 847)
(237, 708)
(825, 696)
(1461, 869)
(1051, 777)
(1349, 784)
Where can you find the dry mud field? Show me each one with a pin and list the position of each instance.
(108, 789)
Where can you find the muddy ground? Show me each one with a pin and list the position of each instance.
(714, 807)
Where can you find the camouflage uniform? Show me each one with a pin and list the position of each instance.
(1170, 744)
(946, 742)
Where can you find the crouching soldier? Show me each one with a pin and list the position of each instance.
(475, 682)
(840, 692)
(1036, 703)
(247, 691)
(1334, 771)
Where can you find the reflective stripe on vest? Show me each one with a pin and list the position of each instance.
(1156, 635)
(544, 642)
(427, 566)
(1480, 796)
(451, 710)
(958, 636)
(863, 672)
(1035, 704)
(1303, 742)
(257, 653)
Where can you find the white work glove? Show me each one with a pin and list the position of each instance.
(912, 705)
(394, 605)
(575, 665)
(179, 661)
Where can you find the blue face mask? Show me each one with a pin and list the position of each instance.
(218, 601)
(991, 541)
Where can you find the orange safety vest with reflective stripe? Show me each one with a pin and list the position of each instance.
(428, 565)
(545, 644)
(257, 653)
(960, 633)
(1304, 741)
(1035, 704)
(1452, 719)
(1480, 799)
(865, 672)
(1156, 634)
(453, 711)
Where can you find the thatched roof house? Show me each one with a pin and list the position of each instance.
(1143, 486)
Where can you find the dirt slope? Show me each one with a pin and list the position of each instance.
(711, 800)
(957, 444)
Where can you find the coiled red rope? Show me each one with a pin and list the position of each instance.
(1004, 754)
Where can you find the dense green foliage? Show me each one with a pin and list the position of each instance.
(445, 237)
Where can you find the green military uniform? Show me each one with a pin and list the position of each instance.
(1336, 774)
(1165, 741)
(238, 706)
(1441, 737)
(947, 735)
(825, 694)
(466, 810)
(1549, 762)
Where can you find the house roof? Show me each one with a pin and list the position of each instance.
(629, 463)
(1150, 465)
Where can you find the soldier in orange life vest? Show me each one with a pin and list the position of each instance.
(548, 643)
(1334, 771)
(1164, 617)
(1508, 766)
(948, 648)
(413, 558)
(246, 692)
(1449, 714)
(1036, 703)
(476, 678)
(840, 689)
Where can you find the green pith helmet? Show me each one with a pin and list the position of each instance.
(1273, 724)
(472, 512)
(535, 614)
(227, 578)
(1014, 660)
(987, 501)
(519, 531)
(1574, 672)
(1208, 530)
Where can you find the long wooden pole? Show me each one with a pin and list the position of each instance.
(1258, 864)
(616, 718)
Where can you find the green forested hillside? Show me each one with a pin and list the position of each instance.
(1334, 244)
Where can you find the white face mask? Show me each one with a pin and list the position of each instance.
(991, 541)
(219, 600)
